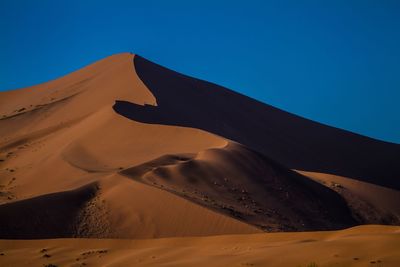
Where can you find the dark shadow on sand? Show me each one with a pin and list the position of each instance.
(293, 141)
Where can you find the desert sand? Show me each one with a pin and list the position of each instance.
(359, 246)
(187, 172)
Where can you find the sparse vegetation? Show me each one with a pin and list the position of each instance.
(94, 252)
(336, 185)
(311, 264)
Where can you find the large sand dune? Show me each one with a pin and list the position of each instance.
(124, 148)
(70, 136)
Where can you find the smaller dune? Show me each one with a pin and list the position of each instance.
(247, 186)
(53, 215)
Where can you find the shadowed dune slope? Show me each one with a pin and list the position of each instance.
(295, 142)
(48, 216)
(369, 203)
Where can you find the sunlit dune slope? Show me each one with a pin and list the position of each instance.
(62, 135)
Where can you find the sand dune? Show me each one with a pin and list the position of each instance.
(136, 210)
(46, 216)
(127, 149)
(69, 132)
(295, 142)
(247, 186)
(80, 139)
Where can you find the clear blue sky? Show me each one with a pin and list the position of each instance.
(336, 62)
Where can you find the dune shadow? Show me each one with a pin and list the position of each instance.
(54, 215)
(293, 141)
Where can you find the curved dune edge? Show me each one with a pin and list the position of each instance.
(370, 245)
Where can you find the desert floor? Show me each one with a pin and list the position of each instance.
(358, 246)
